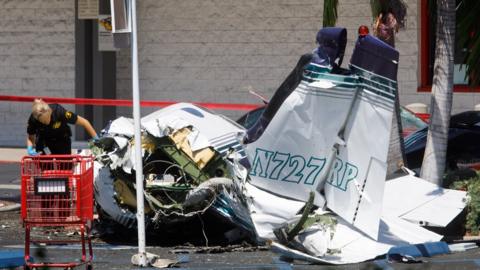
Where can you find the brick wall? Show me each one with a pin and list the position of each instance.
(37, 57)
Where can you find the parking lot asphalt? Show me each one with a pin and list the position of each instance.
(110, 254)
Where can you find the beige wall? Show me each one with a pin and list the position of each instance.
(37, 58)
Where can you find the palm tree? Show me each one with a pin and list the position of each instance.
(434, 158)
(330, 12)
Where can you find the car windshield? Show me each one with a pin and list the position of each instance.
(410, 122)
(250, 118)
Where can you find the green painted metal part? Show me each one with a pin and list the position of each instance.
(216, 167)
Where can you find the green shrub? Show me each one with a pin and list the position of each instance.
(472, 186)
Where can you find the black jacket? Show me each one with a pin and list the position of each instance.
(58, 128)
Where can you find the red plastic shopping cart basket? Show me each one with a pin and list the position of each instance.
(57, 192)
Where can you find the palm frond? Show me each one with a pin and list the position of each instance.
(330, 12)
(377, 8)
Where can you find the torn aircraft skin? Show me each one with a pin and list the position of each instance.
(331, 116)
(308, 178)
(318, 159)
(189, 168)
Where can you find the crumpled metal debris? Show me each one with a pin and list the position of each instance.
(6, 206)
(154, 260)
(311, 232)
(311, 180)
(244, 247)
(188, 168)
(326, 132)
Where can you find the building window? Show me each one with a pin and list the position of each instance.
(427, 55)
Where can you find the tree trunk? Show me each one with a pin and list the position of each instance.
(396, 150)
(434, 159)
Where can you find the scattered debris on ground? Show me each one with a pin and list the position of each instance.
(245, 247)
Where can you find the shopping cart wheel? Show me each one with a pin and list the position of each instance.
(89, 267)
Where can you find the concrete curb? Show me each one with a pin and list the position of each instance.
(10, 155)
(11, 207)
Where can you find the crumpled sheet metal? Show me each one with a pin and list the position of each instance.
(269, 212)
(154, 260)
(105, 197)
(327, 132)
(214, 130)
(121, 126)
(394, 230)
(424, 203)
(262, 211)
(226, 136)
(181, 139)
(183, 152)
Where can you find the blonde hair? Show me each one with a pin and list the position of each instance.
(39, 107)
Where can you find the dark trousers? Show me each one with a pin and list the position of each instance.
(57, 147)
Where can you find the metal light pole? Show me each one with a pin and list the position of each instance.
(138, 141)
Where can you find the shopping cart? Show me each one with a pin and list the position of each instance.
(57, 192)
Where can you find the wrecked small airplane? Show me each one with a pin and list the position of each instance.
(309, 177)
(191, 163)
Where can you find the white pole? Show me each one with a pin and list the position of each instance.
(138, 144)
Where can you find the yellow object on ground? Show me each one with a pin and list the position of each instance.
(126, 196)
(200, 157)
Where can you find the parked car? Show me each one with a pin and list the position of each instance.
(463, 143)
(411, 122)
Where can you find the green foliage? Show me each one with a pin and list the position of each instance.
(330, 12)
(458, 175)
(376, 7)
(468, 28)
(468, 32)
(472, 186)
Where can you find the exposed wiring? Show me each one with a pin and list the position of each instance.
(172, 165)
(190, 214)
(203, 230)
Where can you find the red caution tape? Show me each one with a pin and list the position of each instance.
(128, 103)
